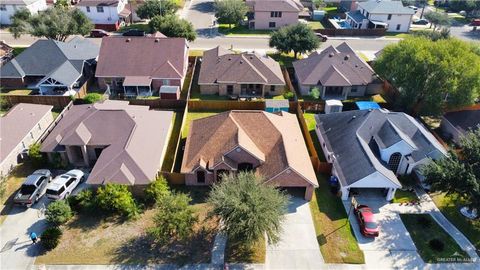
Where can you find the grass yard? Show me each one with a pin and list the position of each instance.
(330, 10)
(404, 196)
(240, 30)
(315, 25)
(192, 116)
(195, 52)
(450, 206)
(310, 120)
(246, 254)
(334, 233)
(422, 234)
(172, 142)
(10, 185)
(285, 60)
(22, 92)
(92, 240)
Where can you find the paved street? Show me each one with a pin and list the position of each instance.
(298, 247)
(200, 13)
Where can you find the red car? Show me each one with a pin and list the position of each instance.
(98, 33)
(475, 22)
(366, 219)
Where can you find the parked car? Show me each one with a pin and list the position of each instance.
(475, 22)
(413, 7)
(63, 185)
(134, 33)
(366, 220)
(322, 37)
(33, 188)
(98, 33)
(421, 22)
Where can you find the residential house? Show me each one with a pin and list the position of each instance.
(53, 67)
(273, 14)
(391, 15)
(456, 124)
(122, 143)
(338, 73)
(224, 72)
(6, 53)
(9, 7)
(369, 148)
(270, 144)
(22, 126)
(106, 14)
(350, 5)
(139, 66)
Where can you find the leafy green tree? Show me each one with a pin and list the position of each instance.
(458, 175)
(174, 218)
(437, 19)
(35, 155)
(173, 26)
(62, 3)
(315, 93)
(433, 35)
(299, 38)
(115, 198)
(431, 75)
(54, 23)
(248, 208)
(152, 8)
(58, 212)
(230, 11)
(156, 190)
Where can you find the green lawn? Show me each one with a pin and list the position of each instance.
(192, 116)
(172, 143)
(423, 233)
(310, 120)
(315, 25)
(21, 92)
(334, 233)
(404, 196)
(330, 10)
(450, 206)
(240, 30)
(283, 59)
(255, 253)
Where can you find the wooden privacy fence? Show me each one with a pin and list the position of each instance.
(55, 122)
(224, 105)
(170, 104)
(288, 81)
(174, 178)
(320, 166)
(390, 92)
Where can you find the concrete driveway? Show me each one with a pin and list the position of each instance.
(298, 247)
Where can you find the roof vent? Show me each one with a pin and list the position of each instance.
(229, 59)
(157, 40)
(251, 56)
(241, 61)
(331, 54)
(128, 40)
(347, 57)
(353, 117)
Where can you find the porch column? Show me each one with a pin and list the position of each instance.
(391, 194)
(345, 192)
(308, 193)
(150, 88)
(137, 90)
(85, 155)
(323, 88)
(346, 93)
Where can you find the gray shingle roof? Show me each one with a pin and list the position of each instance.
(385, 7)
(63, 60)
(353, 135)
(464, 120)
(356, 16)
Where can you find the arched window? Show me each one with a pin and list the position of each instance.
(245, 166)
(200, 176)
(220, 174)
(394, 161)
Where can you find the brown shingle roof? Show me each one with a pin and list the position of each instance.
(275, 139)
(134, 137)
(17, 123)
(275, 5)
(221, 65)
(142, 56)
(339, 66)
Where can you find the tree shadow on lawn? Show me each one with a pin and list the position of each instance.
(145, 250)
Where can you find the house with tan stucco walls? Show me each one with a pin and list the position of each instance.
(270, 144)
(245, 74)
(273, 14)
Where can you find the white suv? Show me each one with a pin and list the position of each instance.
(63, 185)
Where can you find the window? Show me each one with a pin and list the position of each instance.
(229, 89)
(165, 82)
(100, 9)
(276, 14)
(40, 180)
(272, 24)
(200, 176)
(3, 7)
(367, 14)
(398, 26)
(88, 9)
(354, 89)
(394, 161)
(272, 88)
(70, 181)
(389, 17)
(245, 166)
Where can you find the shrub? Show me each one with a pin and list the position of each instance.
(92, 98)
(315, 93)
(156, 190)
(424, 222)
(51, 238)
(436, 244)
(288, 95)
(57, 161)
(58, 212)
(35, 155)
(117, 199)
(174, 218)
(83, 201)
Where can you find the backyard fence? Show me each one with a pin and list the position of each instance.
(55, 122)
(224, 105)
(174, 178)
(390, 92)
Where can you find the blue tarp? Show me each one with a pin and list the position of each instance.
(367, 105)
